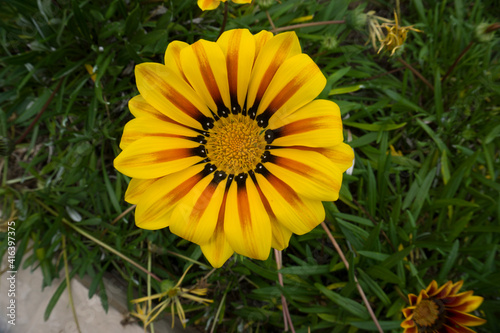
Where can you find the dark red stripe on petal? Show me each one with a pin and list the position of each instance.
(208, 75)
(290, 89)
(243, 205)
(267, 206)
(294, 166)
(279, 58)
(174, 96)
(304, 125)
(232, 64)
(203, 201)
(464, 318)
(171, 155)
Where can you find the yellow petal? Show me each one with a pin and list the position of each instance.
(204, 65)
(307, 172)
(261, 39)
(208, 4)
(140, 108)
(241, 1)
(341, 155)
(272, 55)
(157, 202)
(195, 216)
(296, 213)
(317, 124)
(217, 250)
(139, 128)
(136, 188)
(281, 234)
(170, 94)
(172, 57)
(247, 226)
(239, 48)
(464, 318)
(153, 157)
(297, 82)
(469, 303)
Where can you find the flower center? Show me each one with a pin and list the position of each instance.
(235, 144)
(427, 313)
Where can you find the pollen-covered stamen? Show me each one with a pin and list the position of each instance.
(235, 144)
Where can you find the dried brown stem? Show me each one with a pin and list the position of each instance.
(455, 63)
(346, 263)
(417, 73)
(287, 319)
(45, 106)
(224, 21)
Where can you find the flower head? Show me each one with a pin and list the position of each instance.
(212, 4)
(441, 309)
(228, 148)
(171, 295)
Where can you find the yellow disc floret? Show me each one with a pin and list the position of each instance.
(235, 144)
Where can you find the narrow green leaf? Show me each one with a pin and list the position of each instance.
(450, 261)
(344, 302)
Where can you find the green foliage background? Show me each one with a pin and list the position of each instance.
(431, 212)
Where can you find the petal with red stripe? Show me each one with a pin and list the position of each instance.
(153, 157)
(308, 173)
(272, 55)
(239, 48)
(317, 124)
(139, 128)
(195, 216)
(247, 224)
(294, 212)
(156, 203)
(170, 94)
(204, 65)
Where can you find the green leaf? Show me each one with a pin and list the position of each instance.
(346, 303)
(450, 261)
(374, 127)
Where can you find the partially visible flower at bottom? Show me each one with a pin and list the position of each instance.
(442, 309)
(170, 295)
(229, 149)
(213, 4)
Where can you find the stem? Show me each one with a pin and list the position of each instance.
(128, 210)
(270, 20)
(98, 242)
(305, 25)
(287, 318)
(30, 127)
(346, 263)
(150, 304)
(417, 73)
(460, 56)
(68, 283)
(224, 21)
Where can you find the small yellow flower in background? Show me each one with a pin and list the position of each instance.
(171, 295)
(90, 70)
(442, 309)
(212, 4)
(396, 35)
(229, 149)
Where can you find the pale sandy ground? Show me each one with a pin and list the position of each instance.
(31, 303)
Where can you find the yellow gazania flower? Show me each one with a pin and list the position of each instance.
(212, 4)
(228, 148)
(442, 309)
